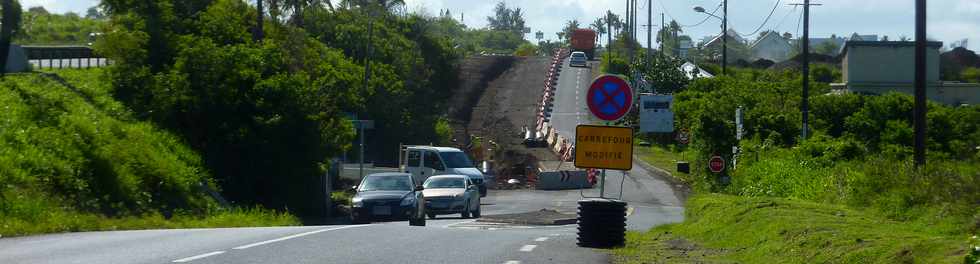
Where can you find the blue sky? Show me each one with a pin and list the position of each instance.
(949, 20)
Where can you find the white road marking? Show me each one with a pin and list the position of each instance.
(554, 234)
(541, 239)
(460, 222)
(295, 236)
(198, 257)
(512, 262)
(528, 248)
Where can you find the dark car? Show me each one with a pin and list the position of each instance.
(384, 196)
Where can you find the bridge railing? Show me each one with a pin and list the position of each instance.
(64, 57)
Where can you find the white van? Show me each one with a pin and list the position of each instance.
(426, 161)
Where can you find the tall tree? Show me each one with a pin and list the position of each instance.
(506, 19)
(9, 27)
(668, 36)
(570, 26)
(600, 27)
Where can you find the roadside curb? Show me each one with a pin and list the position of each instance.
(541, 217)
(680, 188)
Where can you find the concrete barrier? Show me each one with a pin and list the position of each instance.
(562, 180)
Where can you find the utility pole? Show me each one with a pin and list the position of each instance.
(663, 28)
(919, 115)
(724, 39)
(627, 28)
(258, 34)
(650, 32)
(609, 39)
(805, 104)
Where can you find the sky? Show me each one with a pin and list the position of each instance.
(948, 20)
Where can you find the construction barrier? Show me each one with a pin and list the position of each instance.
(562, 180)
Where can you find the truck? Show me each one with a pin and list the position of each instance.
(427, 161)
(584, 40)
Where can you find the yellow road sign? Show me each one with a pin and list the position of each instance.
(604, 147)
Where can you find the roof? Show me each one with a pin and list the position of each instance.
(731, 34)
(769, 35)
(893, 44)
(389, 174)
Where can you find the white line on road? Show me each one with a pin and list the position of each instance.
(295, 236)
(512, 262)
(541, 239)
(460, 222)
(528, 248)
(198, 257)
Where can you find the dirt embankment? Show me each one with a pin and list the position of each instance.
(500, 95)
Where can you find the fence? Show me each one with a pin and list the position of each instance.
(64, 57)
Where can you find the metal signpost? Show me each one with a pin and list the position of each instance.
(602, 221)
(361, 125)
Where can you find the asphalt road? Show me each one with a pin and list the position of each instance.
(570, 108)
(449, 239)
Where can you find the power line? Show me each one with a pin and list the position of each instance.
(662, 6)
(781, 21)
(764, 22)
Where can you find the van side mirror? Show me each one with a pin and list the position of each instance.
(353, 188)
(418, 188)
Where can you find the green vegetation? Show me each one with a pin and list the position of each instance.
(75, 160)
(857, 159)
(43, 28)
(733, 229)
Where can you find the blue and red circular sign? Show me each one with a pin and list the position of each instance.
(609, 98)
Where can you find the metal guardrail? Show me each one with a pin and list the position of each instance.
(64, 57)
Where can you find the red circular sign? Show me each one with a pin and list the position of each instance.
(716, 164)
(609, 98)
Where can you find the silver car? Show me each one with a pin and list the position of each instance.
(578, 58)
(451, 194)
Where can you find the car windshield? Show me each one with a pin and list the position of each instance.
(578, 55)
(456, 160)
(443, 183)
(386, 183)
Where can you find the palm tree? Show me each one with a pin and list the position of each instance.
(600, 28)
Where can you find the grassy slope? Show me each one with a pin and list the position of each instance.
(69, 159)
(729, 229)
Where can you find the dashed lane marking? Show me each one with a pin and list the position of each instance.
(512, 262)
(629, 210)
(528, 248)
(541, 239)
(198, 257)
(295, 236)
(458, 223)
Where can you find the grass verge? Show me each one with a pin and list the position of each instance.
(732, 229)
(73, 159)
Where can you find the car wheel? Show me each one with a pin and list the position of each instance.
(466, 212)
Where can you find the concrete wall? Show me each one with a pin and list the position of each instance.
(887, 64)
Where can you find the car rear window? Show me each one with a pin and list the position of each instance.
(442, 183)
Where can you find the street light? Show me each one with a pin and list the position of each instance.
(724, 33)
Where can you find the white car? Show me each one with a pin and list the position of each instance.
(451, 194)
(578, 58)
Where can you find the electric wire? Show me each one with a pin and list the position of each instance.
(662, 6)
(764, 22)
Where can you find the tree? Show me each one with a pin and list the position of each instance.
(94, 13)
(600, 28)
(615, 21)
(669, 38)
(506, 19)
(570, 27)
(827, 48)
(8, 29)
